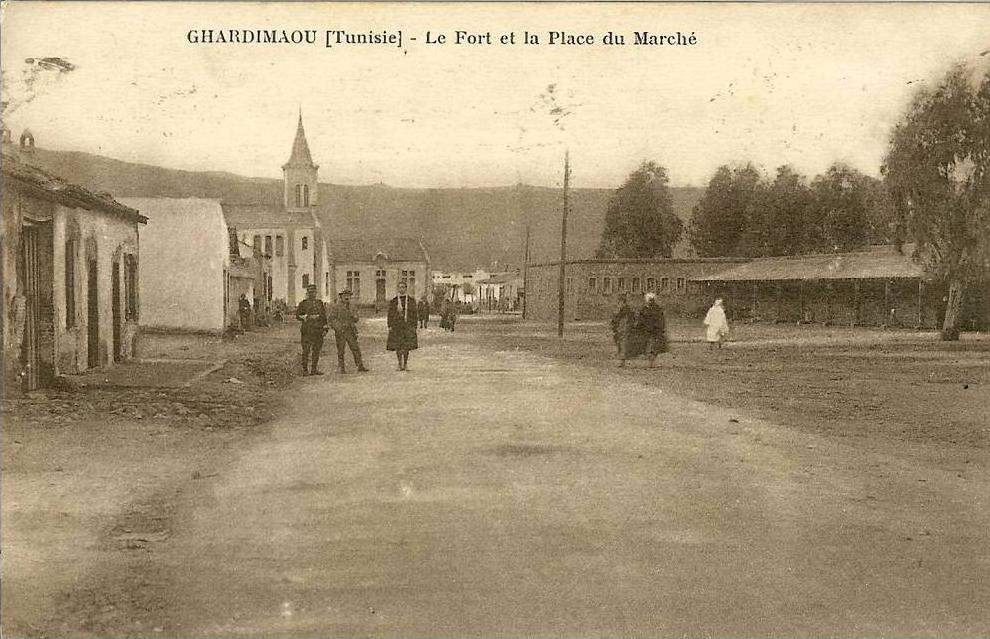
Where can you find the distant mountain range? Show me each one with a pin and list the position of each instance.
(463, 228)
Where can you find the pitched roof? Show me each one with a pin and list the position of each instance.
(50, 186)
(501, 278)
(366, 249)
(248, 216)
(875, 262)
(300, 149)
(157, 207)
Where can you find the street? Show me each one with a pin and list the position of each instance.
(497, 492)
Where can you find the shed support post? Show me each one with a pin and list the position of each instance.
(887, 310)
(756, 301)
(779, 294)
(804, 313)
(921, 285)
(856, 303)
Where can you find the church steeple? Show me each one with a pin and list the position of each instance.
(299, 174)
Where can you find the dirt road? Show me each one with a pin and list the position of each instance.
(499, 493)
(488, 493)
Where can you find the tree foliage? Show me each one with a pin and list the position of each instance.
(744, 214)
(719, 219)
(640, 220)
(937, 173)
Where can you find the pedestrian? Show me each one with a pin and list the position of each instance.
(402, 322)
(647, 334)
(343, 321)
(620, 322)
(313, 316)
(423, 310)
(448, 314)
(244, 311)
(717, 325)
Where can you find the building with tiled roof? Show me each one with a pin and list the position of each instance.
(371, 268)
(70, 274)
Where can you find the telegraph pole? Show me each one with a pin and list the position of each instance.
(526, 272)
(563, 245)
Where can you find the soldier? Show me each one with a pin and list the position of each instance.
(313, 316)
(343, 321)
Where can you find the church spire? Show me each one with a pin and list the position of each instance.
(299, 174)
(300, 148)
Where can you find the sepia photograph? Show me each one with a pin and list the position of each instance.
(495, 319)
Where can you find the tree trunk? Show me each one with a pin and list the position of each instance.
(953, 308)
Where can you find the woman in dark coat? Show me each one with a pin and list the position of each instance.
(402, 323)
(647, 334)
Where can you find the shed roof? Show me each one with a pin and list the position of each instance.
(50, 186)
(366, 249)
(875, 262)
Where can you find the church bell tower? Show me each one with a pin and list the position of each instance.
(299, 175)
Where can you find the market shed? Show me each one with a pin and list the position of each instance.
(875, 286)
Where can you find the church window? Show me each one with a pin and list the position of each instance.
(279, 245)
(305, 195)
(305, 280)
(268, 245)
(298, 195)
(257, 244)
(305, 242)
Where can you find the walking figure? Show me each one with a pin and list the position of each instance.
(402, 322)
(313, 316)
(423, 310)
(647, 334)
(620, 322)
(717, 325)
(343, 321)
(244, 311)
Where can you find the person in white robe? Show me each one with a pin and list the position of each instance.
(717, 325)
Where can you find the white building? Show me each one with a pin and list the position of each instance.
(189, 280)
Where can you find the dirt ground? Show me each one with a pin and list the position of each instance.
(841, 382)
(90, 477)
(514, 485)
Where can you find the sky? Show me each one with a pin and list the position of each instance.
(806, 85)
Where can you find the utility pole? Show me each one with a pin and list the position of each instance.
(563, 245)
(522, 202)
(526, 272)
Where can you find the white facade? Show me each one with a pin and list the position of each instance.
(459, 281)
(185, 256)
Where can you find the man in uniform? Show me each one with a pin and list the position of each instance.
(313, 316)
(343, 321)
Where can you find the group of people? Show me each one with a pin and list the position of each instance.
(403, 321)
(643, 330)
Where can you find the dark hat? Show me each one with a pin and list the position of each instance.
(311, 287)
(345, 293)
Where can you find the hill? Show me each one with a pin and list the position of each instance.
(463, 228)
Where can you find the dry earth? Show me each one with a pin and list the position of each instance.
(514, 485)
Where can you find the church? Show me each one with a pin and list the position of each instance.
(290, 236)
(297, 238)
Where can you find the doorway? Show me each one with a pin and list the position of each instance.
(37, 344)
(379, 288)
(115, 310)
(92, 317)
